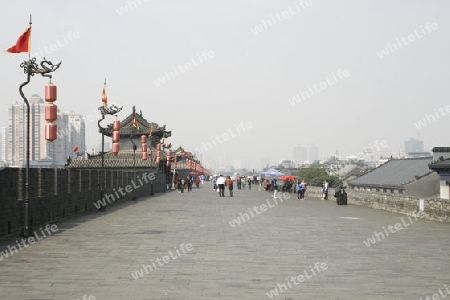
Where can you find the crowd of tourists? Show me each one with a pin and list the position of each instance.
(221, 183)
(185, 183)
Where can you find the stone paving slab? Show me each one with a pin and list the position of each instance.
(96, 253)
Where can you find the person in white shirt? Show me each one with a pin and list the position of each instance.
(325, 190)
(221, 184)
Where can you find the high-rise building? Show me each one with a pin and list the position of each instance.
(237, 164)
(305, 154)
(413, 146)
(313, 153)
(70, 133)
(222, 163)
(75, 132)
(6, 137)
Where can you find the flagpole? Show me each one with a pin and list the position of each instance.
(29, 42)
(30, 69)
(104, 110)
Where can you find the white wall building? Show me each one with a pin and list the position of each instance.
(305, 154)
(70, 133)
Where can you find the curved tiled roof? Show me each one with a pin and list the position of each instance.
(127, 128)
(396, 173)
(124, 159)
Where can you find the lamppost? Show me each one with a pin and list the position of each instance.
(134, 165)
(31, 68)
(174, 169)
(105, 110)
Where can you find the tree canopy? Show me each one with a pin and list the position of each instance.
(315, 177)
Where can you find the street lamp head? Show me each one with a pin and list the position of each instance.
(46, 67)
(111, 110)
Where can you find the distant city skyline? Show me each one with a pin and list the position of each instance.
(70, 135)
(336, 74)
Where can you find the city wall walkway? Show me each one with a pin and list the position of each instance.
(307, 249)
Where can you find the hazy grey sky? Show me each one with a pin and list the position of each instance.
(247, 61)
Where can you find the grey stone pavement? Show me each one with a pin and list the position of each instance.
(95, 254)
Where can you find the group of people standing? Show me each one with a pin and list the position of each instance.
(182, 184)
(219, 183)
(301, 189)
(242, 181)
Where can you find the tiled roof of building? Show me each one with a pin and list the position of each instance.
(396, 173)
(144, 128)
(440, 166)
(350, 170)
(122, 160)
(441, 149)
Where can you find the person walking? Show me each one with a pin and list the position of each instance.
(243, 183)
(325, 190)
(229, 184)
(197, 182)
(267, 185)
(189, 183)
(275, 189)
(181, 184)
(221, 184)
(304, 189)
(249, 184)
(300, 191)
(214, 183)
(238, 182)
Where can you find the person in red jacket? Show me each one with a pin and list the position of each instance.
(197, 182)
(229, 184)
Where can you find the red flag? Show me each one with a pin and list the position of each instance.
(75, 149)
(22, 44)
(135, 123)
(104, 97)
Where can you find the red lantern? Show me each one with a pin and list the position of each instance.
(144, 155)
(116, 137)
(116, 125)
(168, 159)
(50, 93)
(144, 143)
(50, 132)
(115, 148)
(51, 112)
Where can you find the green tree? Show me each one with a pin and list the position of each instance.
(334, 181)
(316, 176)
